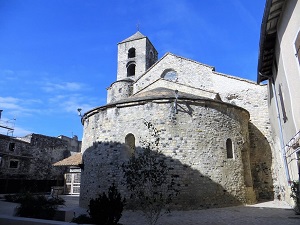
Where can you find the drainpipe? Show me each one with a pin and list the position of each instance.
(271, 80)
(175, 102)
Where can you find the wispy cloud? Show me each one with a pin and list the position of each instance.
(9, 102)
(17, 131)
(65, 86)
(7, 73)
(71, 102)
(20, 132)
(16, 106)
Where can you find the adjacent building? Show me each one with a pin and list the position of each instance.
(26, 162)
(279, 67)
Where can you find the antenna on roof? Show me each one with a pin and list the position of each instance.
(9, 125)
(138, 26)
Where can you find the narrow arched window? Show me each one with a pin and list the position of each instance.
(131, 53)
(130, 143)
(152, 59)
(229, 148)
(131, 70)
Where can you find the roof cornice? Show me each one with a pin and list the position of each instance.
(268, 34)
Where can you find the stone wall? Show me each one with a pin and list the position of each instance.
(119, 90)
(18, 152)
(192, 141)
(253, 98)
(196, 78)
(35, 157)
(145, 55)
(190, 73)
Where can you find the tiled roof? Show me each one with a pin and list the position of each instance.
(157, 93)
(136, 36)
(73, 160)
(268, 38)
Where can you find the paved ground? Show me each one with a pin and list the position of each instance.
(274, 212)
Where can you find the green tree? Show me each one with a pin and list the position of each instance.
(148, 178)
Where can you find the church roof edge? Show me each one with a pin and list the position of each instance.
(156, 94)
(136, 36)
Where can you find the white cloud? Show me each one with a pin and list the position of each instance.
(10, 123)
(16, 107)
(9, 102)
(20, 132)
(71, 102)
(7, 73)
(63, 86)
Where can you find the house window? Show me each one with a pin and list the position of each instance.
(297, 46)
(130, 143)
(11, 147)
(229, 148)
(131, 69)
(14, 164)
(131, 53)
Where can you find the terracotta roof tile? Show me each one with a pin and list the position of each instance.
(73, 160)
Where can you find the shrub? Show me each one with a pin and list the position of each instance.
(12, 198)
(107, 209)
(82, 219)
(296, 196)
(37, 206)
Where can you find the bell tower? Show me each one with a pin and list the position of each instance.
(136, 54)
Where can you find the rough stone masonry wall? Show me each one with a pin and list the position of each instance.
(189, 73)
(237, 91)
(35, 155)
(20, 153)
(119, 90)
(46, 151)
(194, 144)
(253, 98)
(139, 59)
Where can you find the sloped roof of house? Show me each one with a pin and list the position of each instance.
(73, 160)
(271, 17)
(136, 36)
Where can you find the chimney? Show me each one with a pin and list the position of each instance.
(0, 113)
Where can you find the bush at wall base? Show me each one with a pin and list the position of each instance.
(296, 196)
(105, 210)
(37, 206)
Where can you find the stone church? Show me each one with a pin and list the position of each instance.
(214, 129)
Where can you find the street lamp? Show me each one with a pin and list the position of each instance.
(79, 112)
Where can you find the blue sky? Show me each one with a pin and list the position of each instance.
(60, 55)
